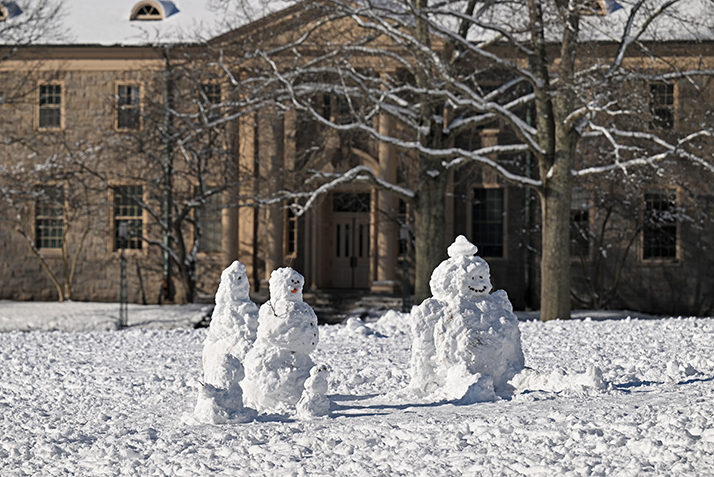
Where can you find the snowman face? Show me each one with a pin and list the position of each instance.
(286, 284)
(477, 281)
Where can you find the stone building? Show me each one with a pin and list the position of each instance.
(646, 242)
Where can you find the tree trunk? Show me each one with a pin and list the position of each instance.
(430, 225)
(555, 261)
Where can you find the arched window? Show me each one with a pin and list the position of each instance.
(3, 13)
(147, 11)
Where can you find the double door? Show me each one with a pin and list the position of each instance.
(350, 250)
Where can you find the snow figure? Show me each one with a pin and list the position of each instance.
(466, 343)
(279, 363)
(314, 401)
(233, 330)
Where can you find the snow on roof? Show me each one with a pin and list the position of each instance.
(107, 22)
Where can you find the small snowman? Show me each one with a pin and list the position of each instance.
(279, 363)
(314, 401)
(233, 330)
(467, 343)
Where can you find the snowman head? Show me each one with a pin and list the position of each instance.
(286, 284)
(234, 284)
(463, 275)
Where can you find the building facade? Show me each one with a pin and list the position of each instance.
(641, 243)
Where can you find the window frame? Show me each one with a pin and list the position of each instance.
(291, 234)
(112, 239)
(143, 17)
(590, 218)
(656, 121)
(37, 217)
(504, 212)
(61, 108)
(119, 107)
(197, 215)
(676, 225)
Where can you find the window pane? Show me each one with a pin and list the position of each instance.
(128, 107)
(209, 216)
(487, 224)
(660, 228)
(128, 119)
(50, 106)
(126, 209)
(662, 105)
(49, 220)
(580, 223)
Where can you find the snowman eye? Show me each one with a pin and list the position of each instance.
(480, 277)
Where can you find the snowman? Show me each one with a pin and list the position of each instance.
(233, 330)
(466, 342)
(279, 363)
(314, 401)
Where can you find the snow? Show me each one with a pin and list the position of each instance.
(107, 22)
(91, 400)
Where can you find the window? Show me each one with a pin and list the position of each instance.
(487, 221)
(662, 105)
(351, 202)
(659, 231)
(580, 223)
(291, 233)
(128, 210)
(49, 218)
(210, 218)
(9, 9)
(212, 92)
(128, 107)
(146, 11)
(50, 110)
(153, 11)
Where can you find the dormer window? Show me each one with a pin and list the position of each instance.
(9, 9)
(153, 10)
(146, 11)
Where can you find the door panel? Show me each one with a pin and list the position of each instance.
(350, 250)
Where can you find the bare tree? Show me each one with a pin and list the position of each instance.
(52, 205)
(440, 70)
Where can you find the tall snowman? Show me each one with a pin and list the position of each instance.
(467, 344)
(279, 363)
(233, 330)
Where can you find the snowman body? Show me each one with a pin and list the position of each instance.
(233, 330)
(466, 342)
(279, 363)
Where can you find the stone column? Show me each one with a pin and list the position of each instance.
(246, 175)
(387, 231)
(270, 156)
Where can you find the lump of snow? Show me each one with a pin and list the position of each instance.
(279, 363)
(466, 343)
(233, 329)
(558, 381)
(393, 322)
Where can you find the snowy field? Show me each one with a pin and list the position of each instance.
(80, 398)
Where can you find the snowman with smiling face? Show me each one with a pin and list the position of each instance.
(279, 362)
(467, 343)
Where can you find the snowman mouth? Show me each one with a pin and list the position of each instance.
(477, 290)
(294, 290)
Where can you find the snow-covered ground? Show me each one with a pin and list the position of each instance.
(89, 400)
